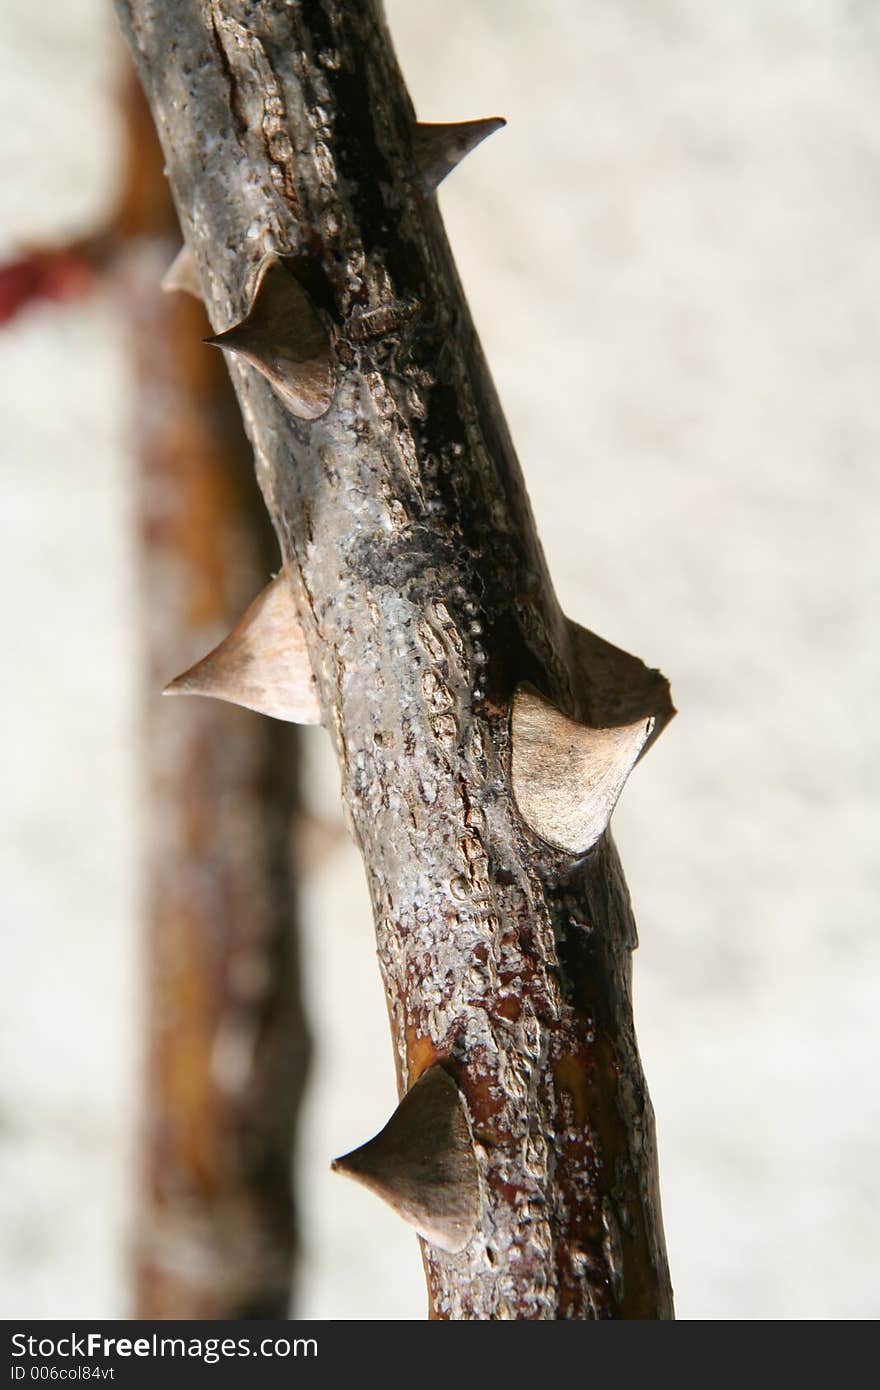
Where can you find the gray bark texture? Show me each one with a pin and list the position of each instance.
(426, 603)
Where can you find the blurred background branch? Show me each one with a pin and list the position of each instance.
(225, 1043)
(226, 1033)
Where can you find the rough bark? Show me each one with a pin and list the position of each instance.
(225, 1053)
(426, 605)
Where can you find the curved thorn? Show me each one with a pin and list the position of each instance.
(284, 339)
(566, 776)
(439, 148)
(263, 663)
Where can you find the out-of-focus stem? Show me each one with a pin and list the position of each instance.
(225, 1048)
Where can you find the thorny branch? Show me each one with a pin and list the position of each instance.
(483, 738)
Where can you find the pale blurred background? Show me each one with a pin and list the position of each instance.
(673, 256)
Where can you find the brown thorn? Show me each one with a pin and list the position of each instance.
(263, 663)
(423, 1162)
(285, 340)
(567, 776)
(439, 148)
(183, 274)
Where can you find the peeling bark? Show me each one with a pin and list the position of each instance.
(426, 604)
